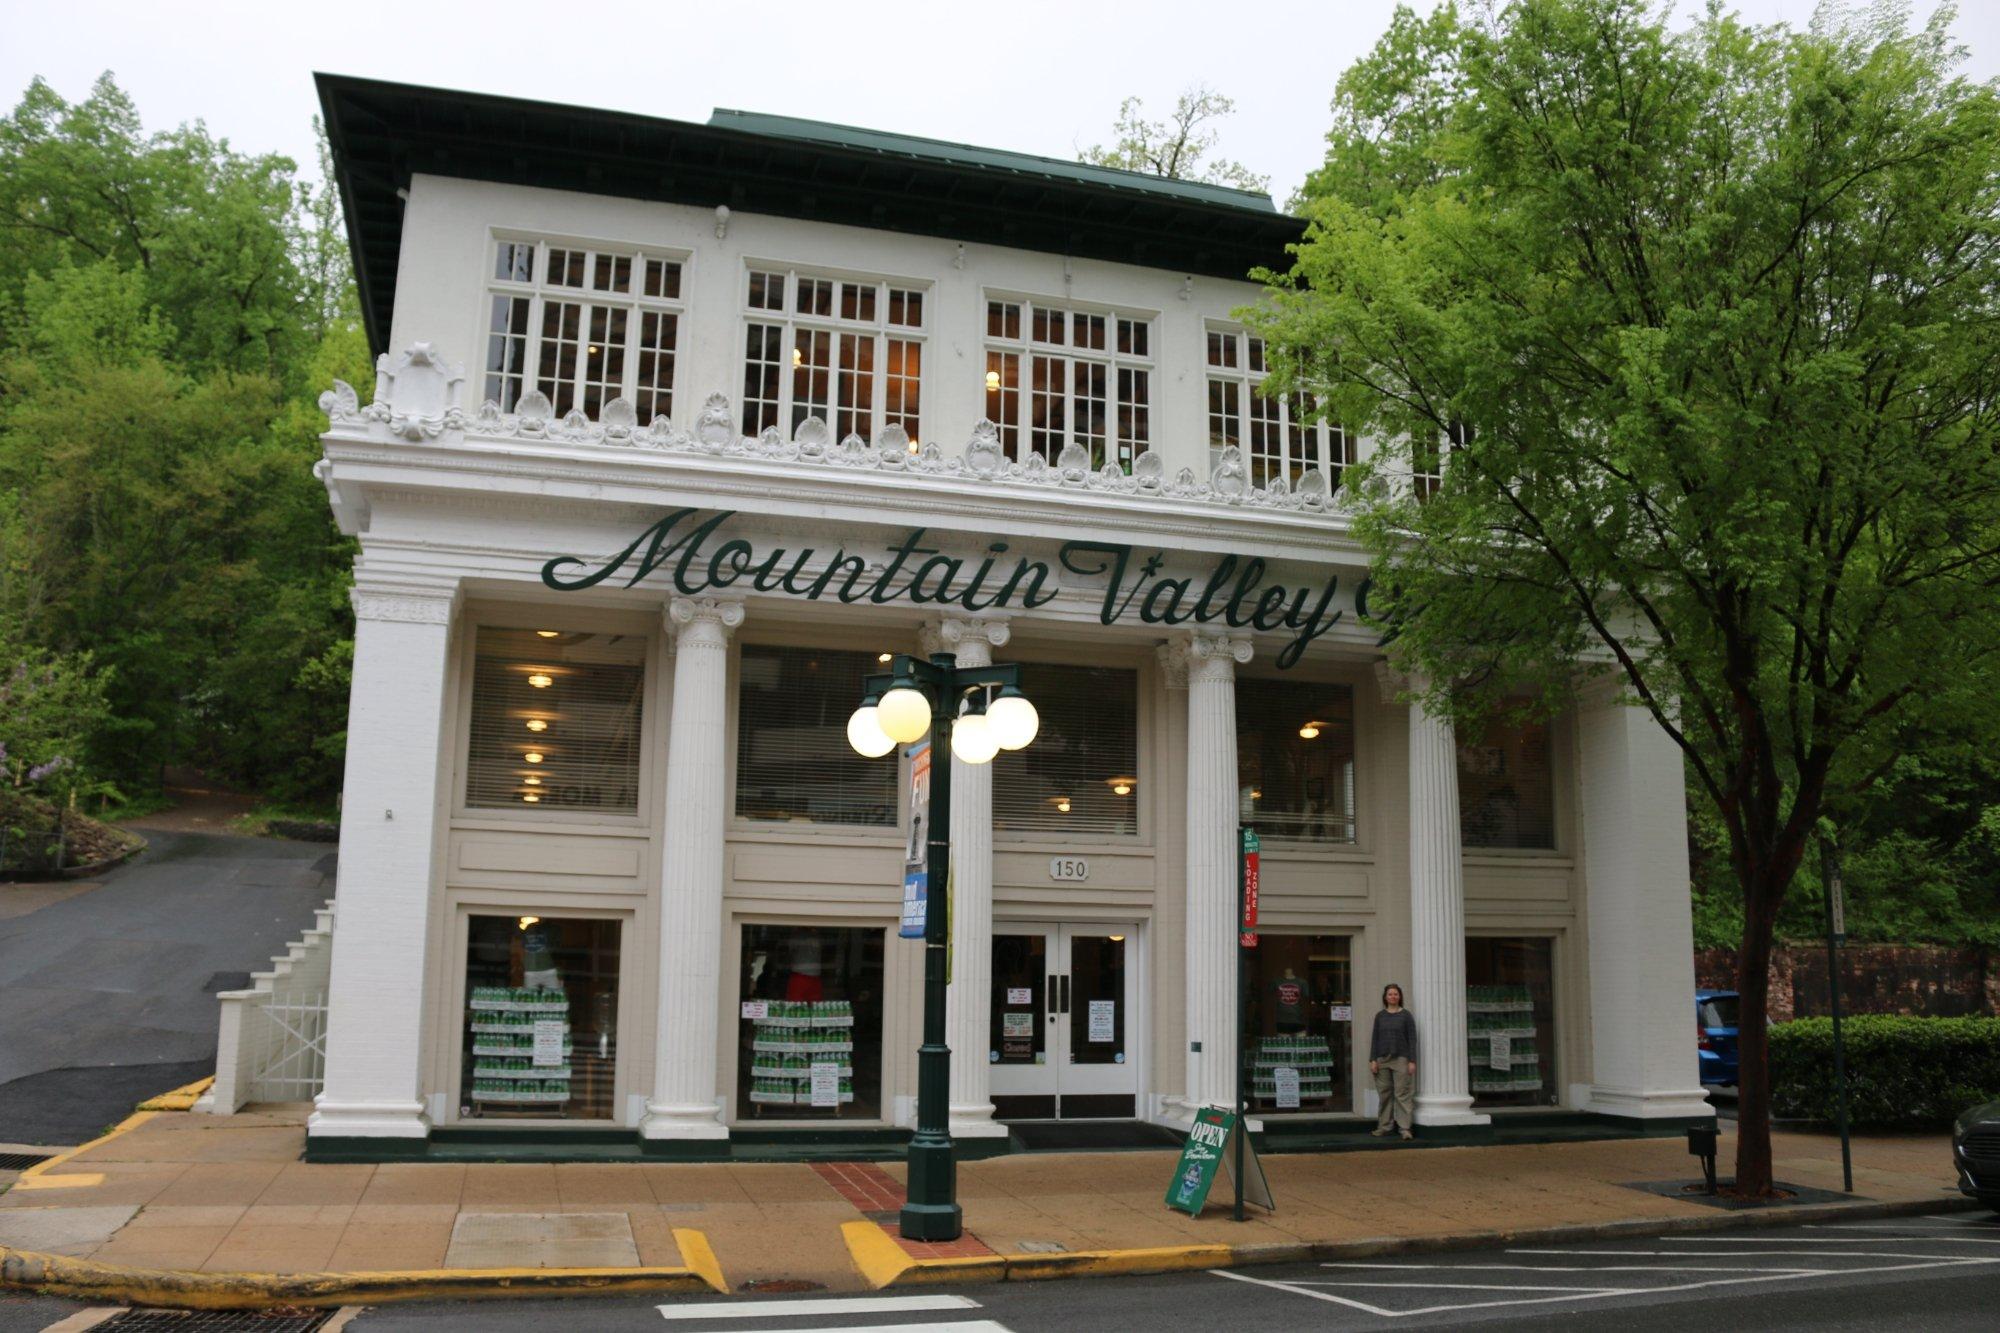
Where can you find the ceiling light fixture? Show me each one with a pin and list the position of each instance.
(541, 680)
(536, 724)
(534, 756)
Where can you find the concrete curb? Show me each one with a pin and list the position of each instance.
(80, 1279)
(883, 1263)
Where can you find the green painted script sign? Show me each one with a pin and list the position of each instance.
(700, 560)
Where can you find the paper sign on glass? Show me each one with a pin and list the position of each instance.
(1020, 995)
(825, 1085)
(549, 1033)
(1287, 1080)
(1500, 1052)
(1017, 1025)
(1343, 1013)
(1103, 1019)
(756, 1008)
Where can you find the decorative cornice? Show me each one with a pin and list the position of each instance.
(405, 608)
(685, 613)
(417, 399)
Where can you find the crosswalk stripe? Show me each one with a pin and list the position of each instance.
(963, 1326)
(823, 1305)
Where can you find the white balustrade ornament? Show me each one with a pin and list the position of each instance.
(416, 399)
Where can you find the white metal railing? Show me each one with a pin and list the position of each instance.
(271, 1045)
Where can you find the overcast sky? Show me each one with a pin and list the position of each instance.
(1031, 76)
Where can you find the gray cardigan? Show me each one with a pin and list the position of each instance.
(1395, 1034)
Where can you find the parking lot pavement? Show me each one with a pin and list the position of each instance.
(1941, 1253)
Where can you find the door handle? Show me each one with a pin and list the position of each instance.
(1065, 992)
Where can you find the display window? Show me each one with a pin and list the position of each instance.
(810, 1035)
(541, 1018)
(1298, 1038)
(1510, 1025)
(1506, 788)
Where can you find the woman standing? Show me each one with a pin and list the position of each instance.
(1392, 1059)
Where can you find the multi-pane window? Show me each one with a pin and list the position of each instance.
(849, 351)
(1278, 433)
(793, 762)
(1428, 455)
(1506, 787)
(584, 326)
(1056, 377)
(1295, 759)
(1081, 776)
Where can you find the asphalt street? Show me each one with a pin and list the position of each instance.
(110, 992)
(1935, 1272)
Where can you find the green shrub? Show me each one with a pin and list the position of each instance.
(1902, 1073)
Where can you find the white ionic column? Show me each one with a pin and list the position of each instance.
(1639, 919)
(969, 999)
(685, 1104)
(1212, 805)
(1437, 925)
(388, 835)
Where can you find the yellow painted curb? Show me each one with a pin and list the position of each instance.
(700, 1259)
(81, 1279)
(41, 1175)
(180, 1099)
(884, 1263)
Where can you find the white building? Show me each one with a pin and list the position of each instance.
(679, 430)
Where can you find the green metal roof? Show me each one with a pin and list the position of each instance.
(382, 134)
(1030, 164)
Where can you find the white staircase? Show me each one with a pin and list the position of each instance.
(272, 1043)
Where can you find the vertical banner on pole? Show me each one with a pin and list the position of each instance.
(916, 852)
(1252, 855)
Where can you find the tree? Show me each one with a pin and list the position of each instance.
(1701, 324)
(1177, 147)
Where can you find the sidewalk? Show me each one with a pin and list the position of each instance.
(196, 1194)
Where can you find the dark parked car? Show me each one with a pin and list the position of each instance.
(1715, 1036)
(1975, 1151)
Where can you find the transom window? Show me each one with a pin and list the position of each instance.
(584, 326)
(1277, 433)
(849, 351)
(1086, 377)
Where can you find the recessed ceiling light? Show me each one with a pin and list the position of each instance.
(533, 756)
(541, 680)
(536, 724)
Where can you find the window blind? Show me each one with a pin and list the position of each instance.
(1506, 791)
(793, 761)
(1295, 758)
(1081, 773)
(555, 720)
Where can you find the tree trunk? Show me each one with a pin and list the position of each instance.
(1753, 1073)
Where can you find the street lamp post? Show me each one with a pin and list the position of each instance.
(969, 720)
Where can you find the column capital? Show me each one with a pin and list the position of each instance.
(710, 615)
(1173, 655)
(1212, 657)
(407, 604)
(971, 639)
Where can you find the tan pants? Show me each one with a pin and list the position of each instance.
(1397, 1087)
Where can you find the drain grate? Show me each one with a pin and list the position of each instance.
(21, 1161)
(284, 1319)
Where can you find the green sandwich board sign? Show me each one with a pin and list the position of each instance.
(1202, 1159)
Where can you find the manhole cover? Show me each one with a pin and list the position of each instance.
(781, 1286)
(284, 1319)
(21, 1161)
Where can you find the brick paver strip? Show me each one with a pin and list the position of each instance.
(872, 1190)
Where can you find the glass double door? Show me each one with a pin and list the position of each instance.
(1063, 1037)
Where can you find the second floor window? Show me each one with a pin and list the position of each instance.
(849, 351)
(1056, 377)
(584, 326)
(1277, 433)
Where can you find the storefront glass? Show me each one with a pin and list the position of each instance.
(1506, 792)
(1295, 759)
(1298, 1039)
(810, 1035)
(1511, 1020)
(555, 720)
(541, 1018)
(793, 762)
(1081, 775)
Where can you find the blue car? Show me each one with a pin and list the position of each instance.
(1715, 1036)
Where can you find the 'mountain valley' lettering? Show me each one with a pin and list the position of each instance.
(1235, 591)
